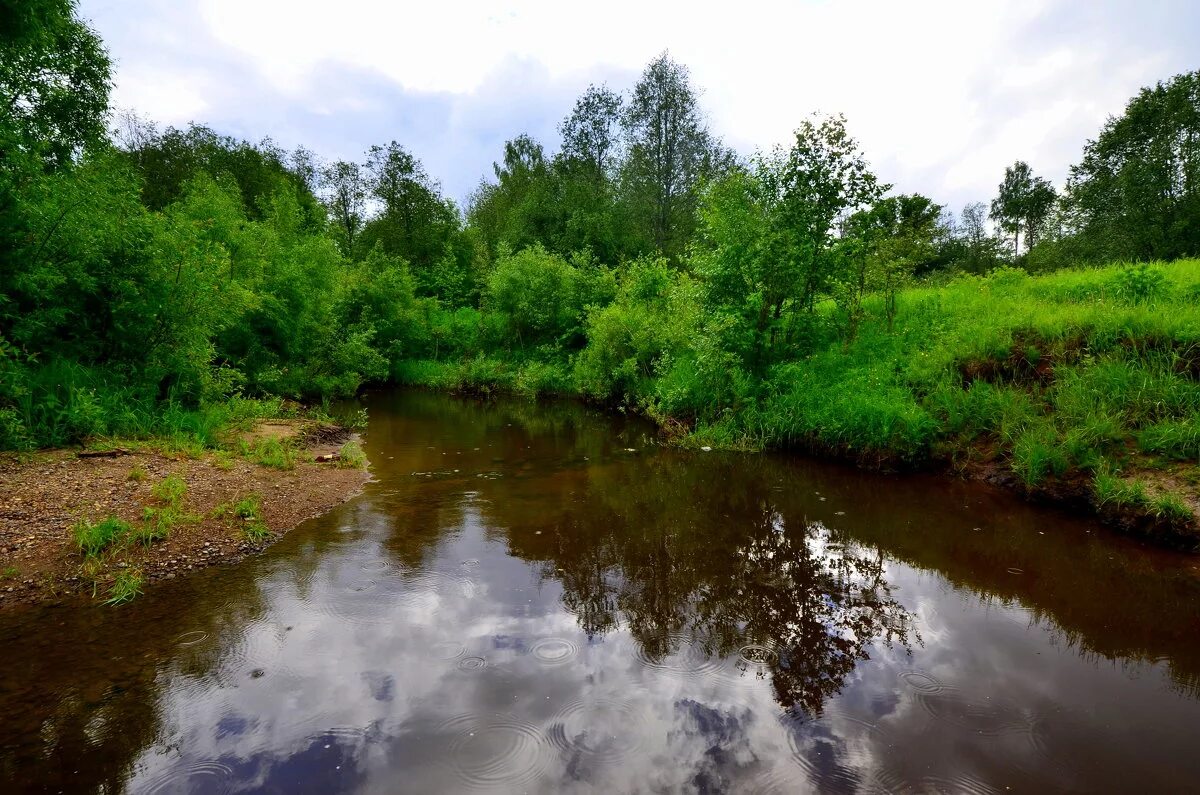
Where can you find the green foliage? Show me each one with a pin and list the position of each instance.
(270, 452)
(159, 520)
(351, 456)
(1110, 489)
(92, 538)
(249, 511)
(126, 586)
(1172, 508)
(1128, 192)
(536, 294)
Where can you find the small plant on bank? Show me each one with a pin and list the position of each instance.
(158, 521)
(9, 572)
(351, 456)
(1118, 492)
(95, 537)
(1171, 508)
(248, 511)
(138, 474)
(126, 585)
(270, 453)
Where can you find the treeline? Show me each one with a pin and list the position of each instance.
(148, 273)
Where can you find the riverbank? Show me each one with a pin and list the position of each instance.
(1080, 387)
(106, 523)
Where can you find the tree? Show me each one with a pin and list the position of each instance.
(1023, 203)
(54, 83)
(978, 246)
(896, 238)
(345, 194)
(414, 221)
(591, 134)
(1136, 192)
(768, 234)
(585, 172)
(670, 149)
(521, 208)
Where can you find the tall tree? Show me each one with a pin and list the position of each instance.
(1136, 193)
(669, 150)
(591, 134)
(586, 168)
(345, 195)
(1022, 203)
(520, 208)
(978, 246)
(413, 216)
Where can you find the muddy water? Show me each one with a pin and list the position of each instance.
(537, 599)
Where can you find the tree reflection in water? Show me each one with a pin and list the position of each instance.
(783, 598)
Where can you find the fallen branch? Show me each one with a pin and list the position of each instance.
(113, 453)
(320, 459)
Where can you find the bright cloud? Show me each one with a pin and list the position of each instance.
(942, 94)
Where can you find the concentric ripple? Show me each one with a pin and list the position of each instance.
(194, 777)
(683, 658)
(447, 650)
(496, 752)
(191, 638)
(601, 728)
(922, 682)
(757, 654)
(554, 651)
(472, 663)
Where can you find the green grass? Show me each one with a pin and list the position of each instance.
(272, 453)
(159, 520)
(126, 586)
(138, 474)
(351, 456)
(1118, 492)
(1171, 507)
(93, 538)
(249, 511)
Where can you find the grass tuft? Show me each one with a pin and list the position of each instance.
(95, 537)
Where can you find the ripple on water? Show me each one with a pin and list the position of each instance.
(980, 715)
(447, 650)
(843, 728)
(752, 664)
(683, 658)
(369, 601)
(601, 728)
(554, 651)
(922, 682)
(472, 663)
(191, 638)
(957, 784)
(191, 777)
(376, 565)
(496, 752)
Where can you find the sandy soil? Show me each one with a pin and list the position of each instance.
(44, 494)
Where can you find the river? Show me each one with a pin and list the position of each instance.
(540, 598)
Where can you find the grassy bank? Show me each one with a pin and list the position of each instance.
(1082, 384)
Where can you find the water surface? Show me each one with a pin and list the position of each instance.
(537, 598)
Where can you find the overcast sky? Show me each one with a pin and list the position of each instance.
(942, 95)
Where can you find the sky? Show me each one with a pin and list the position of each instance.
(941, 95)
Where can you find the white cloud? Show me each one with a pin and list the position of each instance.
(942, 96)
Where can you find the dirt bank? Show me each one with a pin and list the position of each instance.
(44, 495)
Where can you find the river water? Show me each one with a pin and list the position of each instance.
(538, 598)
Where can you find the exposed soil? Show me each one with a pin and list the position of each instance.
(44, 494)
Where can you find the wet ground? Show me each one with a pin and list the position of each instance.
(536, 598)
